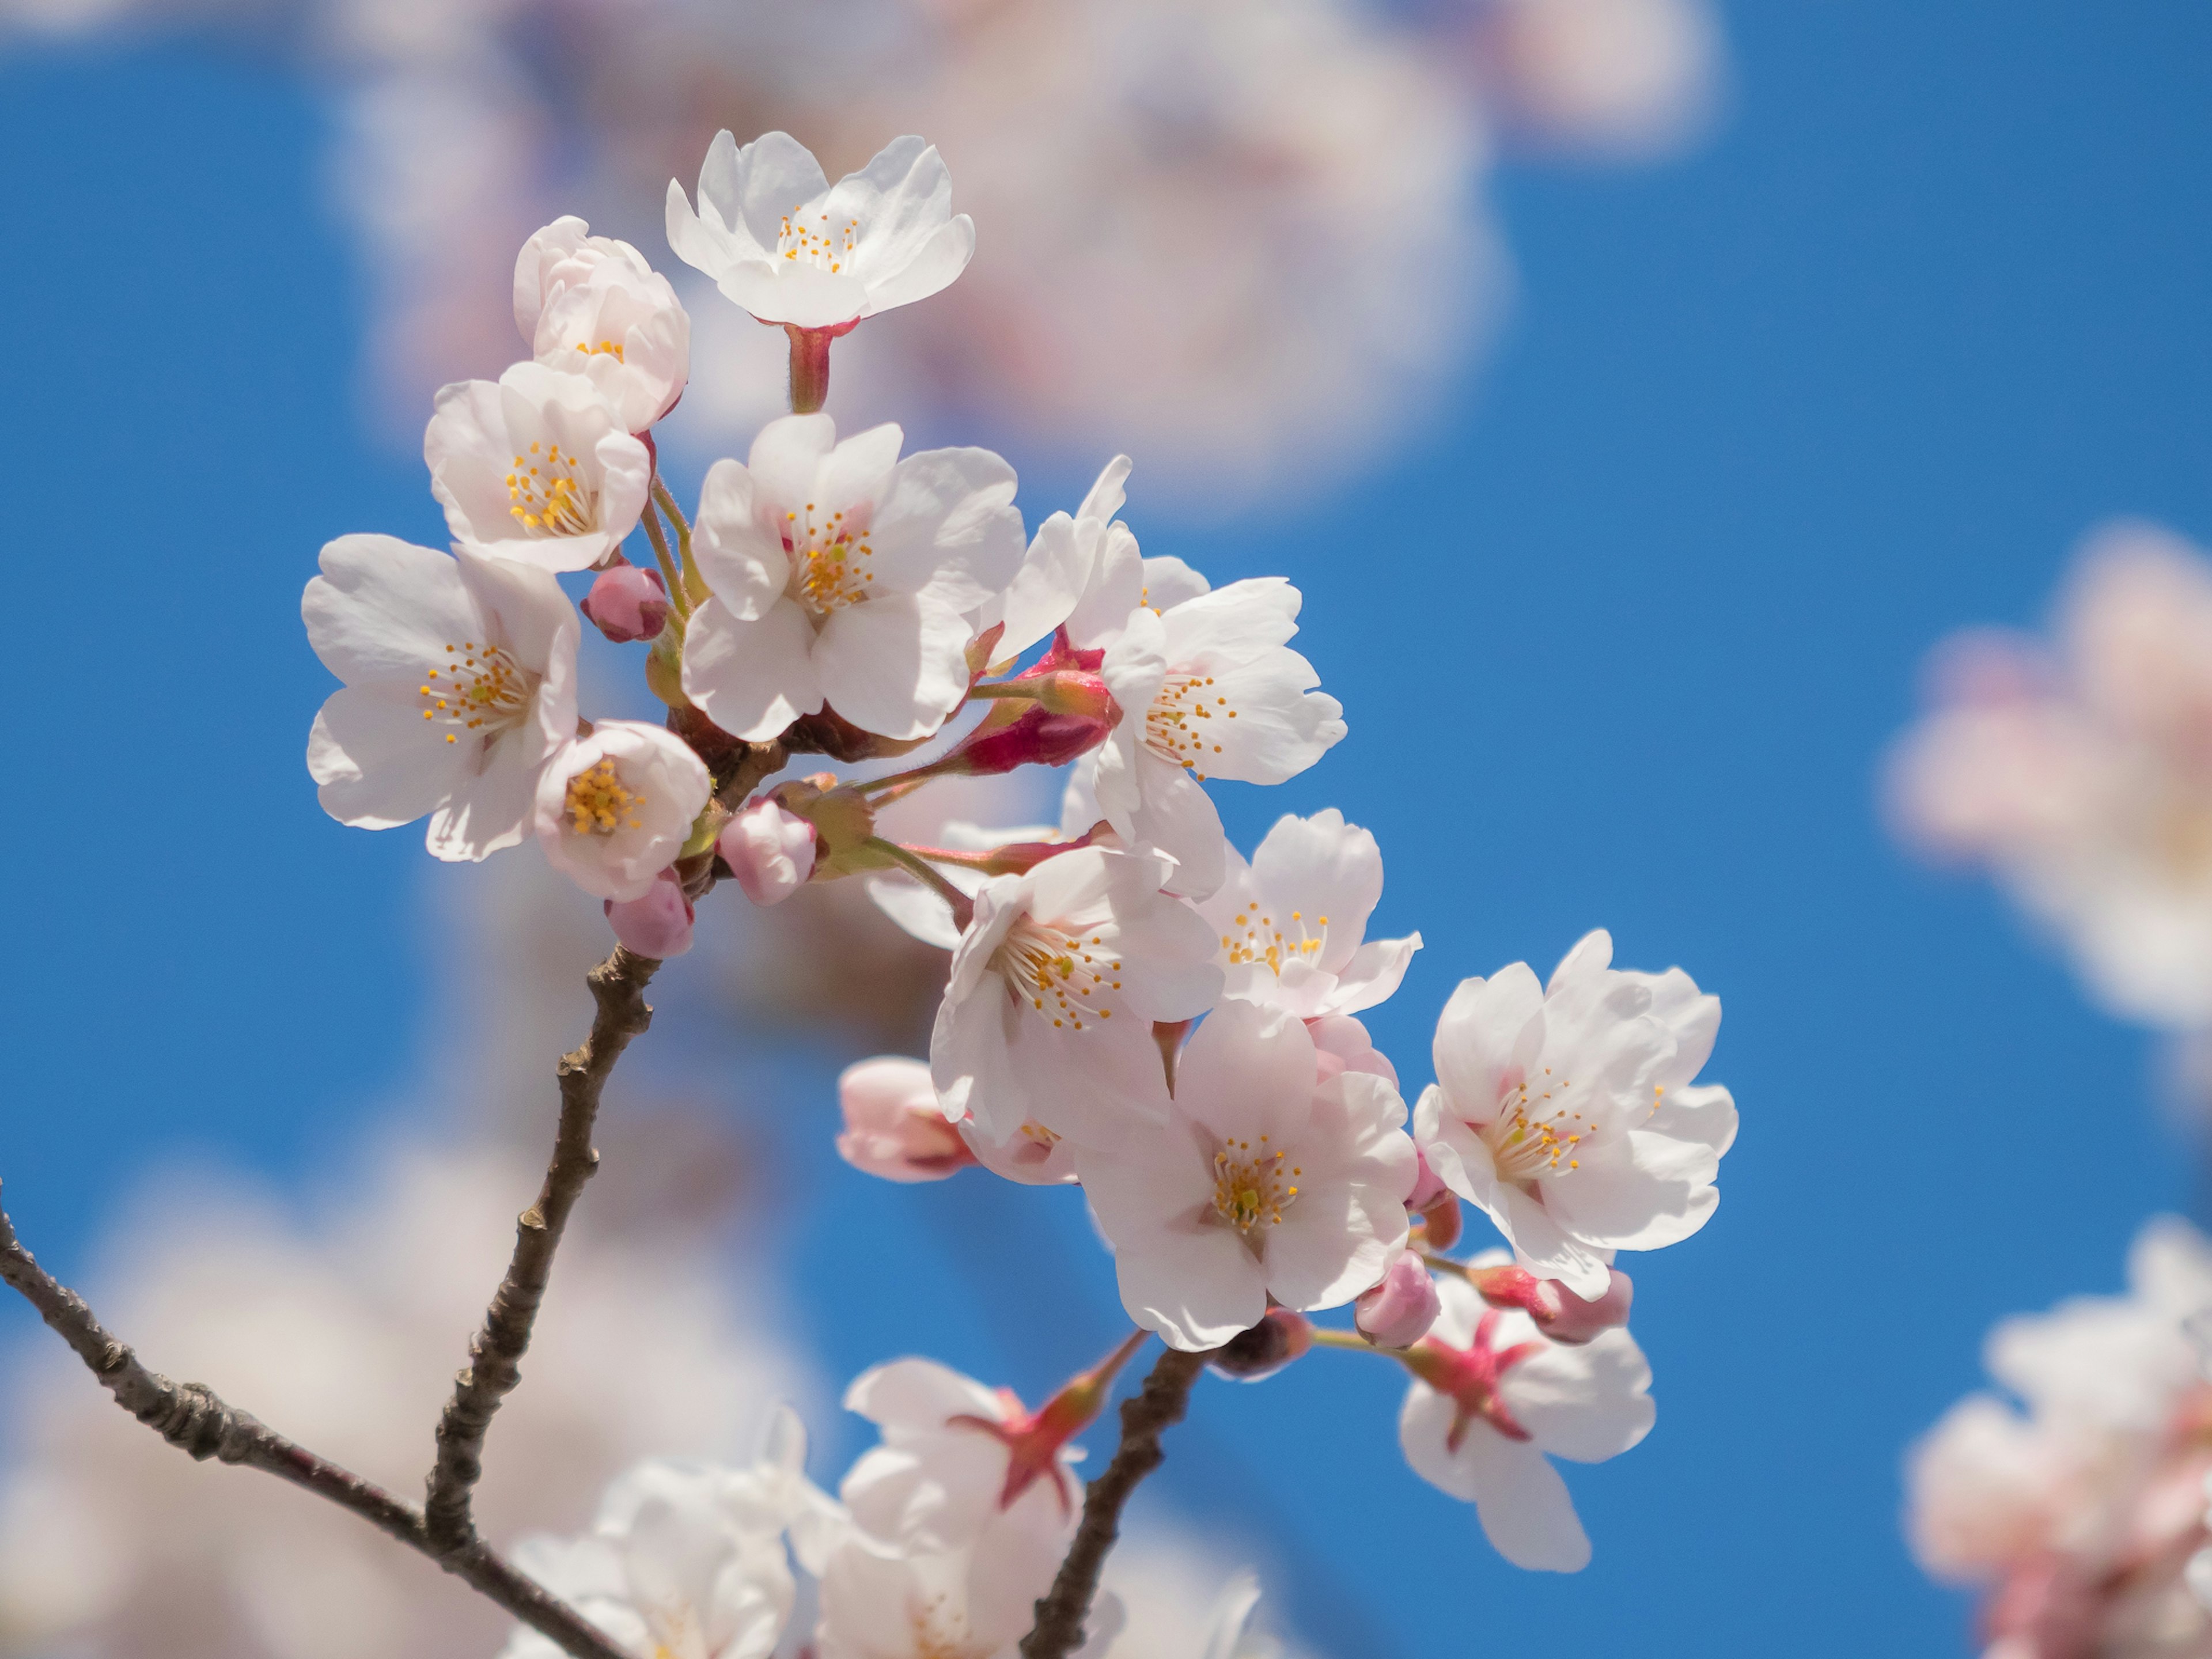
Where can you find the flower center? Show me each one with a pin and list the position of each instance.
(547, 493)
(478, 688)
(1537, 1133)
(1252, 1189)
(599, 802)
(1175, 725)
(1063, 977)
(820, 245)
(605, 348)
(1469, 1378)
(1264, 942)
(828, 561)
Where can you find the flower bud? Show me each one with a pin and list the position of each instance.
(769, 850)
(1072, 691)
(1280, 1337)
(659, 924)
(1398, 1312)
(1038, 737)
(893, 1128)
(1559, 1312)
(626, 603)
(1440, 1222)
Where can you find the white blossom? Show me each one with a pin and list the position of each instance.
(536, 466)
(790, 248)
(459, 677)
(843, 574)
(619, 806)
(1293, 922)
(1265, 1182)
(591, 306)
(1566, 1111)
(1054, 987)
(1493, 1400)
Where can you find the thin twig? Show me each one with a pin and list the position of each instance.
(191, 1418)
(495, 1353)
(1145, 1416)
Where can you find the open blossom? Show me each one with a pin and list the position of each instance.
(973, 1601)
(1493, 1401)
(1048, 1017)
(1264, 1183)
(844, 575)
(1293, 922)
(460, 685)
(791, 248)
(893, 1128)
(2081, 771)
(1567, 1111)
(536, 466)
(591, 306)
(616, 811)
(2077, 1504)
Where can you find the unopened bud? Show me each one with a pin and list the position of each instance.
(626, 603)
(657, 924)
(1038, 737)
(769, 850)
(1280, 1337)
(1559, 1312)
(893, 1128)
(1398, 1312)
(1072, 691)
(1441, 1222)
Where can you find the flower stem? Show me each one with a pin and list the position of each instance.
(810, 368)
(963, 907)
(694, 585)
(677, 599)
(1010, 689)
(1350, 1341)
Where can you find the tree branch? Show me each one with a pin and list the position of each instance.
(1145, 1417)
(495, 1352)
(191, 1418)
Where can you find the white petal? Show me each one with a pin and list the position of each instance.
(745, 565)
(386, 610)
(895, 666)
(376, 762)
(751, 678)
(1588, 1403)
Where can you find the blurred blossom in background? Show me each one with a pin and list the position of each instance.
(1171, 194)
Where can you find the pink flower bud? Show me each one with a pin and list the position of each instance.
(1559, 1312)
(657, 924)
(626, 603)
(1279, 1337)
(1037, 738)
(893, 1128)
(770, 851)
(1398, 1312)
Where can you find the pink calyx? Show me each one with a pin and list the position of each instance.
(1033, 1440)
(1469, 1378)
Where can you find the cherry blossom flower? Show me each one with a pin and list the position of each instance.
(1566, 1112)
(893, 1128)
(536, 466)
(791, 248)
(1292, 922)
(612, 815)
(2079, 772)
(1493, 1401)
(591, 306)
(974, 1601)
(676, 1567)
(459, 678)
(1054, 987)
(843, 574)
(1264, 1183)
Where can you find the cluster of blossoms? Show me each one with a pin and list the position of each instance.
(2080, 1510)
(2080, 771)
(1131, 1005)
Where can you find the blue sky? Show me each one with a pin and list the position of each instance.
(1619, 640)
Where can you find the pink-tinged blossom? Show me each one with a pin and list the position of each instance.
(1493, 1401)
(1055, 985)
(657, 923)
(2076, 1503)
(1293, 922)
(1559, 1312)
(1398, 1311)
(1567, 1112)
(590, 305)
(780, 241)
(626, 604)
(1341, 1044)
(618, 807)
(893, 1128)
(536, 466)
(1264, 1183)
(460, 686)
(770, 850)
(2079, 772)
(844, 575)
